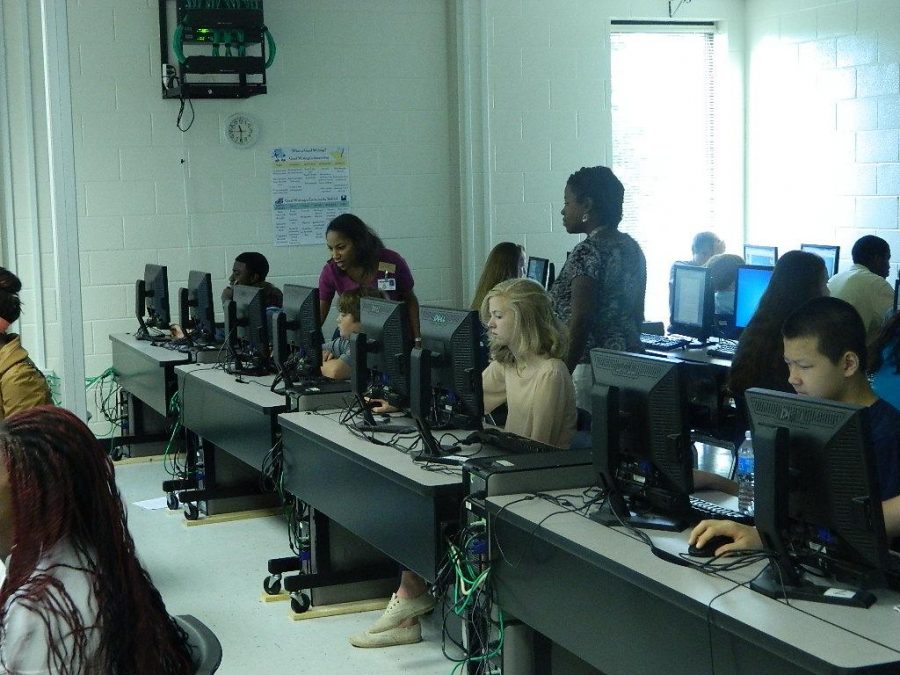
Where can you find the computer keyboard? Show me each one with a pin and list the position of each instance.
(512, 444)
(663, 343)
(319, 385)
(704, 510)
(724, 350)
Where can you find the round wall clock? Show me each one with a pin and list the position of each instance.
(242, 130)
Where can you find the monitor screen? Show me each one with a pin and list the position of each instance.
(453, 399)
(381, 367)
(749, 287)
(641, 438)
(693, 307)
(246, 329)
(538, 270)
(156, 293)
(818, 504)
(201, 311)
(297, 334)
(830, 254)
(760, 255)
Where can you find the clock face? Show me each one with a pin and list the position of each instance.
(242, 130)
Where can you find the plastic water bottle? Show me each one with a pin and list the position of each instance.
(745, 475)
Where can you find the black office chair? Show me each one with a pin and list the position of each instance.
(206, 650)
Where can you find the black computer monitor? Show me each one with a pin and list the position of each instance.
(196, 310)
(830, 254)
(641, 438)
(818, 504)
(897, 296)
(380, 355)
(693, 302)
(538, 270)
(152, 299)
(445, 374)
(750, 285)
(760, 255)
(246, 330)
(297, 335)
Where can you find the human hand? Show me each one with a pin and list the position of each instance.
(379, 405)
(326, 356)
(743, 536)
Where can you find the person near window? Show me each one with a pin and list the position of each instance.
(599, 293)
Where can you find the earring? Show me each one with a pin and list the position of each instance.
(584, 217)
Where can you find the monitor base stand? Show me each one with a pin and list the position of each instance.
(771, 583)
(644, 521)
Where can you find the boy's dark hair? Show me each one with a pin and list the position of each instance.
(704, 242)
(834, 323)
(604, 189)
(348, 302)
(10, 305)
(256, 263)
(868, 249)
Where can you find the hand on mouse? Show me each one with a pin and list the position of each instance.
(379, 405)
(744, 536)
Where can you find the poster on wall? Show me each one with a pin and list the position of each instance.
(310, 186)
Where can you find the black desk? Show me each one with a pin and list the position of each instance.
(375, 492)
(146, 373)
(234, 420)
(606, 598)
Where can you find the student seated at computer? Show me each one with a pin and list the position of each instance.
(825, 352)
(527, 372)
(884, 362)
(864, 285)
(723, 269)
(704, 246)
(75, 598)
(759, 360)
(22, 385)
(337, 362)
(251, 269)
(360, 258)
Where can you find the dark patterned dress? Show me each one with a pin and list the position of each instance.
(616, 264)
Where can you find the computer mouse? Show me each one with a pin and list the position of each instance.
(709, 549)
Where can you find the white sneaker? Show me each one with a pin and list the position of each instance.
(389, 638)
(401, 609)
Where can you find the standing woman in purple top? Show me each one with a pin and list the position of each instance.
(359, 258)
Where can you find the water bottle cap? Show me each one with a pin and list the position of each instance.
(747, 435)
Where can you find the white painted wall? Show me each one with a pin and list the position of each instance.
(823, 122)
(542, 97)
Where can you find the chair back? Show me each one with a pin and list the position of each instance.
(206, 650)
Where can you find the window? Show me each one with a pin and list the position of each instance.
(664, 106)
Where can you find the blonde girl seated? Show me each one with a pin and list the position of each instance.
(528, 374)
(526, 370)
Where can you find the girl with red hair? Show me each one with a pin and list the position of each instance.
(75, 598)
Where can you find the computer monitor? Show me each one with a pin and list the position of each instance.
(152, 300)
(297, 335)
(818, 504)
(641, 438)
(897, 296)
(445, 374)
(693, 302)
(538, 270)
(760, 255)
(750, 285)
(380, 355)
(830, 254)
(246, 330)
(196, 309)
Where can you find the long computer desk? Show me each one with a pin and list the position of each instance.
(604, 596)
(147, 374)
(236, 418)
(376, 492)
